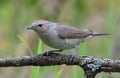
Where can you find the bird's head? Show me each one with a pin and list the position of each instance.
(39, 26)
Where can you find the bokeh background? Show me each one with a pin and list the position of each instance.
(15, 40)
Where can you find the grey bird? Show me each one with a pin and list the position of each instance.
(62, 36)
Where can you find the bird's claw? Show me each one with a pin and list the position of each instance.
(47, 53)
(50, 52)
(72, 56)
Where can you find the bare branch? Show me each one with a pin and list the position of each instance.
(89, 64)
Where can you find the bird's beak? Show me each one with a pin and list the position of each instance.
(30, 27)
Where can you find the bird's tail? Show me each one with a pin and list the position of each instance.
(99, 33)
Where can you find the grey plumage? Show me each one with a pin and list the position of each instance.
(61, 36)
(68, 32)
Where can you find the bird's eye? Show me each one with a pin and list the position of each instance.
(40, 25)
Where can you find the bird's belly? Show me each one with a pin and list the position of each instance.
(59, 43)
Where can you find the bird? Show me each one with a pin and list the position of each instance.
(61, 36)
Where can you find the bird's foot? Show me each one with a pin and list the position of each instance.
(50, 52)
(74, 53)
(47, 53)
(72, 56)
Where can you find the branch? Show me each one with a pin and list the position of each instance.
(91, 65)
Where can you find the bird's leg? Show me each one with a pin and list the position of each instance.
(49, 52)
(75, 52)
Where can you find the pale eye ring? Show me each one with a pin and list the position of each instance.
(40, 25)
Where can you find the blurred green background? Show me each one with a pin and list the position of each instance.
(15, 40)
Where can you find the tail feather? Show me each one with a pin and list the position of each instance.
(99, 33)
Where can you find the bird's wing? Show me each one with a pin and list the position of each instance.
(68, 32)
